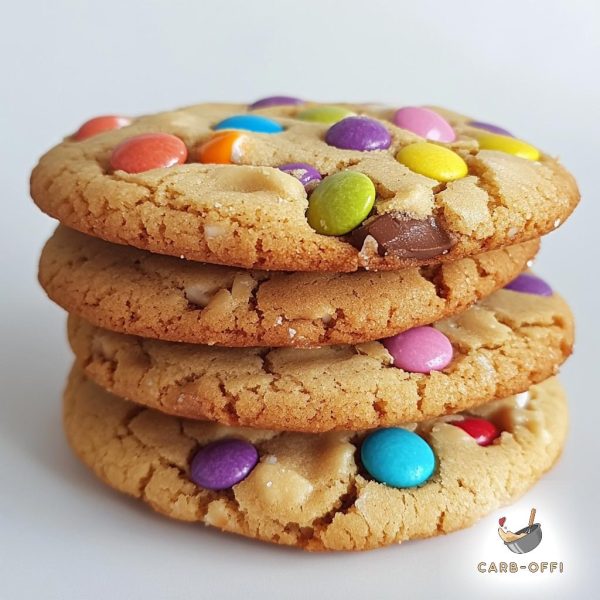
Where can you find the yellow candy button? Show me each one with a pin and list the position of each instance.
(505, 143)
(433, 161)
(325, 114)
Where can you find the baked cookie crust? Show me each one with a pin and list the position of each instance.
(502, 345)
(309, 491)
(252, 215)
(133, 291)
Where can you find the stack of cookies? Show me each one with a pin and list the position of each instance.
(309, 324)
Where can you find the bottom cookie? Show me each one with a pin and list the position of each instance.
(310, 490)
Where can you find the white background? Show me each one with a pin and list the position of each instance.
(529, 66)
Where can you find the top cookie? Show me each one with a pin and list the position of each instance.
(305, 187)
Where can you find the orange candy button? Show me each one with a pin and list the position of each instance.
(222, 149)
(148, 151)
(100, 125)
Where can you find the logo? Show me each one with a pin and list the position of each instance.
(522, 541)
(525, 539)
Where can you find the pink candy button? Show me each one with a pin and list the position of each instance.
(148, 151)
(420, 350)
(424, 122)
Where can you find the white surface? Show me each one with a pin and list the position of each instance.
(529, 66)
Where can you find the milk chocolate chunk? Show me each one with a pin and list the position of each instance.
(400, 236)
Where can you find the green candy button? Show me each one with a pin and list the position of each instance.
(325, 114)
(340, 203)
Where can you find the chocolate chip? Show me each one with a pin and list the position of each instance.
(403, 237)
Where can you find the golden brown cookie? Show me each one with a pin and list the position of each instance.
(136, 292)
(309, 490)
(501, 346)
(252, 214)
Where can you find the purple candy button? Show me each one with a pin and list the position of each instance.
(275, 101)
(306, 174)
(490, 127)
(420, 350)
(221, 464)
(529, 284)
(358, 133)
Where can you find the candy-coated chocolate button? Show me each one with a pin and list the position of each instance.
(433, 161)
(397, 457)
(275, 101)
(358, 133)
(420, 350)
(325, 114)
(340, 203)
(530, 284)
(481, 430)
(148, 151)
(306, 174)
(510, 145)
(489, 127)
(223, 148)
(403, 237)
(256, 123)
(424, 122)
(100, 125)
(221, 464)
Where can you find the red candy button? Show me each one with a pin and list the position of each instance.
(483, 432)
(148, 151)
(100, 125)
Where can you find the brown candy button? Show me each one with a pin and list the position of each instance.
(403, 237)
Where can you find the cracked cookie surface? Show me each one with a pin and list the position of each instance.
(133, 291)
(252, 214)
(308, 490)
(501, 346)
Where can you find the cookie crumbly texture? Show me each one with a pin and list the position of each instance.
(252, 214)
(502, 345)
(308, 490)
(133, 291)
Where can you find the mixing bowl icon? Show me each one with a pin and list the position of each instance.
(528, 542)
(524, 540)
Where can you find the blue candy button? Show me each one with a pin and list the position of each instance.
(250, 123)
(397, 457)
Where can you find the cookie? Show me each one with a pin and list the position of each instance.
(498, 347)
(304, 187)
(136, 292)
(311, 491)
